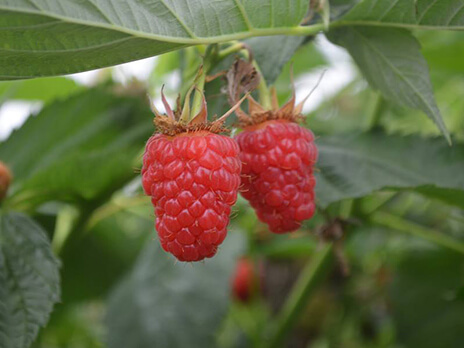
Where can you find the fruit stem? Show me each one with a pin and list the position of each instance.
(198, 95)
(209, 54)
(263, 89)
(396, 223)
(311, 276)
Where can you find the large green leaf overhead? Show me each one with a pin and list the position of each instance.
(29, 280)
(429, 14)
(51, 37)
(391, 61)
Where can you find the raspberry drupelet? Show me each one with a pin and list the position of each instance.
(192, 175)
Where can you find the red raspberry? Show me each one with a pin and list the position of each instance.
(277, 173)
(244, 280)
(5, 179)
(192, 175)
(277, 155)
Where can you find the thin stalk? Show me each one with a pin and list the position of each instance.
(209, 54)
(401, 225)
(263, 89)
(346, 208)
(234, 48)
(373, 207)
(377, 112)
(65, 219)
(311, 276)
(76, 233)
(198, 96)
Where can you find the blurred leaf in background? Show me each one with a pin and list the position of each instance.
(76, 150)
(164, 304)
(45, 89)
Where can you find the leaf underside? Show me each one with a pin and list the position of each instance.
(41, 38)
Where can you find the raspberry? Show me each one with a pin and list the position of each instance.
(277, 156)
(192, 176)
(5, 179)
(277, 173)
(244, 280)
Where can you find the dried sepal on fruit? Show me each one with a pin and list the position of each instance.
(277, 157)
(192, 174)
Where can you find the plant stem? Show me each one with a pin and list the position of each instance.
(237, 46)
(377, 112)
(311, 276)
(65, 219)
(346, 208)
(198, 96)
(263, 90)
(399, 224)
(75, 233)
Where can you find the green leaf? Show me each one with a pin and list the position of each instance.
(272, 60)
(42, 38)
(338, 8)
(391, 61)
(444, 51)
(306, 59)
(76, 150)
(168, 304)
(424, 298)
(45, 89)
(29, 280)
(415, 14)
(110, 248)
(356, 165)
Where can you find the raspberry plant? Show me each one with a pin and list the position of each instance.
(100, 184)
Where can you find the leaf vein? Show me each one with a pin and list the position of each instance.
(244, 14)
(73, 49)
(389, 9)
(455, 14)
(32, 26)
(426, 10)
(179, 20)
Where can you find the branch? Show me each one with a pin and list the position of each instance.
(399, 224)
(311, 276)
